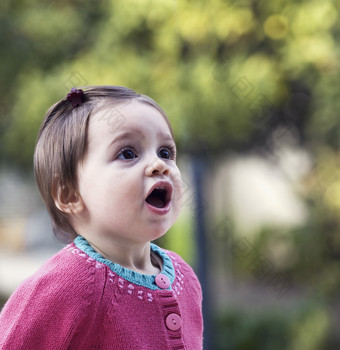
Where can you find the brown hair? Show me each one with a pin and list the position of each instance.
(62, 144)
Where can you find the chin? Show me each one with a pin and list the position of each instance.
(159, 233)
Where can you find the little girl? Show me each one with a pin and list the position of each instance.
(105, 164)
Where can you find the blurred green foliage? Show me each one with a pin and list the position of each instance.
(189, 56)
(306, 326)
(228, 73)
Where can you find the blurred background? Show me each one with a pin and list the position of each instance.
(252, 90)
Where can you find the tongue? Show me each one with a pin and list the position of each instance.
(155, 201)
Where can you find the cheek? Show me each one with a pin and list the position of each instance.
(178, 190)
(95, 192)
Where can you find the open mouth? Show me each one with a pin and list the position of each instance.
(160, 195)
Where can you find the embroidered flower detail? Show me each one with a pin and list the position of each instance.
(131, 288)
(99, 265)
(120, 283)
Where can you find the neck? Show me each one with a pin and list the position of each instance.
(138, 258)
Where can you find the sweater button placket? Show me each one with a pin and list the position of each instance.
(172, 318)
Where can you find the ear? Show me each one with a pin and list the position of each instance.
(67, 200)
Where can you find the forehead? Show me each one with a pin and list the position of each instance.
(130, 116)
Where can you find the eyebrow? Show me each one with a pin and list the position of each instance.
(165, 136)
(129, 134)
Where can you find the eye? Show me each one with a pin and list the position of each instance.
(167, 153)
(127, 153)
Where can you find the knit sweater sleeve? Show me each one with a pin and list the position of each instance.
(50, 309)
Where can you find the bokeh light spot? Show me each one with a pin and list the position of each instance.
(276, 27)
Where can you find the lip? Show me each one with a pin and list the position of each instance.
(161, 185)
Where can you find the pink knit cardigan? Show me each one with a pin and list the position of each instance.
(78, 300)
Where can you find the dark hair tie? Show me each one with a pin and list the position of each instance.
(76, 97)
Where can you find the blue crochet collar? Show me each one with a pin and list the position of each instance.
(147, 281)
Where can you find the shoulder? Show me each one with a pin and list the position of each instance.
(62, 295)
(66, 280)
(67, 270)
(184, 272)
(178, 261)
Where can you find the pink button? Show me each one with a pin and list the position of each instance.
(162, 281)
(173, 322)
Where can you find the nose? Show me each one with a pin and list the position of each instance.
(157, 166)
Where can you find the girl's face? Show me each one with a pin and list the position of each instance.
(129, 182)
